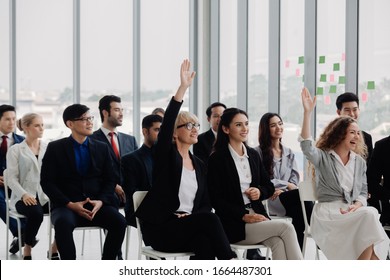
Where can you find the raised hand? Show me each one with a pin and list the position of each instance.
(307, 101)
(186, 76)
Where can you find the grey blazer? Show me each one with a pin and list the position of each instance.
(327, 183)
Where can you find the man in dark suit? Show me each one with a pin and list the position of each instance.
(203, 148)
(348, 105)
(137, 166)
(378, 176)
(7, 138)
(111, 114)
(77, 175)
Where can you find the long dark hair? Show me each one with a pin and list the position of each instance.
(265, 142)
(222, 140)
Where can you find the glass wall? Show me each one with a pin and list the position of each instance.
(258, 26)
(44, 61)
(4, 52)
(106, 56)
(374, 62)
(331, 59)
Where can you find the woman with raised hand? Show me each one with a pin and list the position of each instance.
(176, 214)
(238, 183)
(24, 162)
(342, 224)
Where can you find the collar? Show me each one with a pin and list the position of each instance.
(75, 143)
(9, 135)
(215, 133)
(352, 156)
(237, 156)
(106, 131)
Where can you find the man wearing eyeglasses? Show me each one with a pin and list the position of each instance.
(77, 175)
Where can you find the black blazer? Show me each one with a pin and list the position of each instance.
(136, 172)
(379, 166)
(3, 159)
(162, 200)
(61, 181)
(203, 148)
(127, 144)
(225, 191)
(368, 141)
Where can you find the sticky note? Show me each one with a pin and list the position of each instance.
(301, 60)
(343, 56)
(322, 59)
(364, 96)
(297, 72)
(342, 80)
(332, 89)
(331, 78)
(287, 63)
(323, 78)
(336, 66)
(320, 90)
(327, 100)
(370, 85)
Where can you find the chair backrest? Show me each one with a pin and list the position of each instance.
(307, 192)
(137, 200)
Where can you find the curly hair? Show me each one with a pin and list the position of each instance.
(265, 142)
(335, 132)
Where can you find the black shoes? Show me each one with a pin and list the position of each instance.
(27, 258)
(14, 247)
(54, 256)
(254, 254)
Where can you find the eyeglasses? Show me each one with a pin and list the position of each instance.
(87, 119)
(189, 126)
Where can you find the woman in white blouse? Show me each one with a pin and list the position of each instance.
(23, 178)
(342, 224)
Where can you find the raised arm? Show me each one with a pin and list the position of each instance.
(308, 104)
(186, 78)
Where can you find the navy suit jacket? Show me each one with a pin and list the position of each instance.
(127, 144)
(162, 201)
(136, 172)
(61, 181)
(225, 191)
(3, 159)
(203, 148)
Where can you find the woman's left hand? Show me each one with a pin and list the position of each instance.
(276, 194)
(29, 200)
(351, 208)
(253, 193)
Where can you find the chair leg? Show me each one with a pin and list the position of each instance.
(101, 241)
(304, 246)
(19, 238)
(82, 243)
(128, 231)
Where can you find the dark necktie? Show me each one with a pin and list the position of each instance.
(4, 145)
(113, 144)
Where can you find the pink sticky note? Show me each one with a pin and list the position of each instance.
(343, 57)
(331, 78)
(327, 100)
(287, 63)
(297, 72)
(364, 96)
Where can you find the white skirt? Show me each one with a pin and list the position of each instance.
(346, 236)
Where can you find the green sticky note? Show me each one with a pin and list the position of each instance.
(370, 85)
(333, 89)
(301, 60)
(342, 80)
(322, 59)
(320, 90)
(323, 78)
(336, 66)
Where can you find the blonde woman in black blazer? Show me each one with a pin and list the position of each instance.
(238, 183)
(176, 214)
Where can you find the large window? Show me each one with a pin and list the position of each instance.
(257, 65)
(164, 45)
(292, 26)
(228, 52)
(374, 62)
(106, 55)
(44, 61)
(331, 58)
(4, 52)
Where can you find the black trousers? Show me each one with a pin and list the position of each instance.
(34, 219)
(201, 233)
(108, 217)
(291, 202)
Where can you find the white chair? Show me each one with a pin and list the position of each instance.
(128, 231)
(287, 218)
(236, 248)
(307, 193)
(148, 251)
(12, 214)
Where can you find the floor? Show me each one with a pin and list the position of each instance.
(91, 246)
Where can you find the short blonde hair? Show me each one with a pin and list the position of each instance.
(185, 117)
